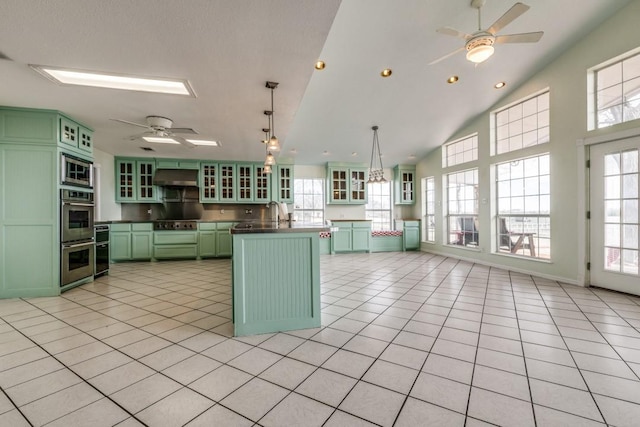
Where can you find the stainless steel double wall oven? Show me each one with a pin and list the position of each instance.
(76, 235)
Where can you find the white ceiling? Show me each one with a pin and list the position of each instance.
(228, 49)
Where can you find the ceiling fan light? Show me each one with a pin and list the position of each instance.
(160, 140)
(480, 53)
(273, 144)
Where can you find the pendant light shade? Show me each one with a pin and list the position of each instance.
(267, 169)
(270, 160)
(376, 171)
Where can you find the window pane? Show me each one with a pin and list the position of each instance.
(523, 125)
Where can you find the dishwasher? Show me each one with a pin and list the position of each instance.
(102, 250)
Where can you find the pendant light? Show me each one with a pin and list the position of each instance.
(267, 167)
(269, 160)
(274, 144)
(376, 171)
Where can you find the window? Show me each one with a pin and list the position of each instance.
(429, 210)
(618, 92)
(308, 200)
(524, 204)
(462, 208)
(379, 205)
(460, 151)
(522, 125)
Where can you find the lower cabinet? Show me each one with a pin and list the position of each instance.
(207, 247)
(175, 244)
(129, 242)
(351, 237)
(411, 235)
(224, 242)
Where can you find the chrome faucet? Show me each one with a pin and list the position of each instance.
(275, 211)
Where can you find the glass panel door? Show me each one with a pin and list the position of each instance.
(615, 219)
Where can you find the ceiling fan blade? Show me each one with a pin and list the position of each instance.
(511, 14)
(442, 58)
(520, 38)
(183, 130)
(184, 142)
(130, 123)
(453, 32)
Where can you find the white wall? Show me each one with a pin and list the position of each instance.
(109, 210)
(566, 78)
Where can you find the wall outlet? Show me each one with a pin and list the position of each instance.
(248, 211)
(221, 211)
(149, 211)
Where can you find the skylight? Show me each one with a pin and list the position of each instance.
(115, 81)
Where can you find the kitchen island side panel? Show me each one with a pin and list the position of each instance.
(276, 282)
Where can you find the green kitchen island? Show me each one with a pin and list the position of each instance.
(276, 277)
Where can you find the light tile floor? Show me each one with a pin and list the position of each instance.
(408, 339)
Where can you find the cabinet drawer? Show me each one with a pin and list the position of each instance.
(144, 226)
(207, 226)
(175, 238)
(175, 251)
(120, 227)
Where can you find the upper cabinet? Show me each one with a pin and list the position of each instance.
(284, 181)
(404, 177)
(74, 136)
(45, 127)
(177, 164)
(209, 191)
(347, 184)
(261, 184)
(134, 180)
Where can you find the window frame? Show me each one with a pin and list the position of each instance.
(429, 209)
(527, 243)
(459, 143)
(300, 210)
(465, 227)
(372, 198)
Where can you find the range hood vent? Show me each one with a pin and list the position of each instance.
(176, 178)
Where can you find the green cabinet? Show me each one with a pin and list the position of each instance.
(30, 145)
(411, 235)
(175, 244)
(129, 242)
(227, 174)
(245, 187)
(134, 180)
(207, 246)
(224, 242)
(209, 191)
(346, 184)
(404, 178)
(177, 164)
(74, 136)
(351, 236)
(284, 180)
(261, 184)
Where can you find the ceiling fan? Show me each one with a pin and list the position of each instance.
(479, 45)
(160, 130)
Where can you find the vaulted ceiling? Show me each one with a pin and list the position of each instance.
(228, 49)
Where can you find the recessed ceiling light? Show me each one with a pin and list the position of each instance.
(147, 149)
(160, 139)
(325, 153)
(203, 142)
(353, 154)
(499, 85)
(452, 79)
(320, 65)
(115, 81)
(293, 151)
(412, 156)
(386, 72)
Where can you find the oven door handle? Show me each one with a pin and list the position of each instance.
(89, 205)
(77, 245)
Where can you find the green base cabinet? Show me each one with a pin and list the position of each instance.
(276, 282)
(207, 240)
(175, 244)
(131, 241)
(351, 237)
(224, 243)
(411, 235)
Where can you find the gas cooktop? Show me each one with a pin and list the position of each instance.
(171, 224)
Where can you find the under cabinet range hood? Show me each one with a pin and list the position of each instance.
(176, 178)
